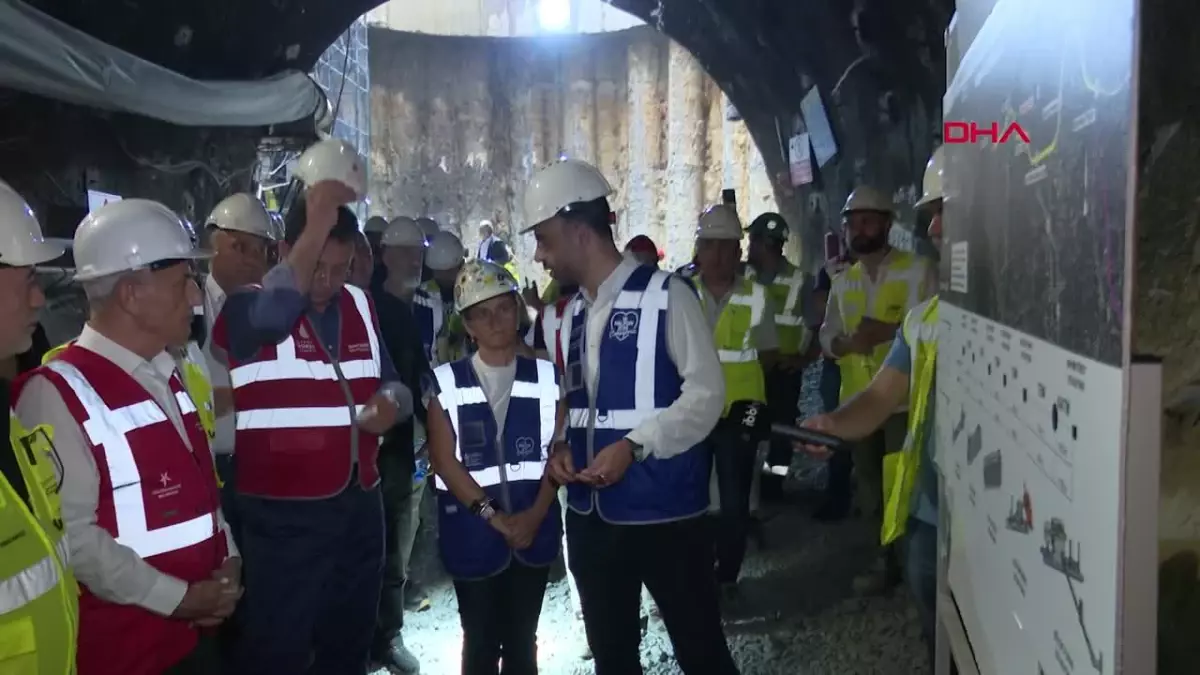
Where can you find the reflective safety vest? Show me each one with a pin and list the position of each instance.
(430, 314)
(195, 381)
(508, 464)
(296, 431)
(902, 469)
(899, 290)
(734, 339)
(157, 497)
(550, 324)
(785, 294)
(635, 380)
(39, 606)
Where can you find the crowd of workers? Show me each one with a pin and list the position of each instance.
(224, 473)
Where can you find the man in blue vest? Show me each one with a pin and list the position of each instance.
(636, 468)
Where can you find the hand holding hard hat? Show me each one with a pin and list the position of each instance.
(335, 175)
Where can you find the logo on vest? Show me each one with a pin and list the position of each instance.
(305, 343)
(471, 459)
(525, 447)
(168, 488)
(359, 348)
(623, 325)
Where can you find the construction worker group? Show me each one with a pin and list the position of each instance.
(225, 472)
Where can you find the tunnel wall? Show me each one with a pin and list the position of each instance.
(459, 124)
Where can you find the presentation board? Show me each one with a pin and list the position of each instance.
(1031, 362)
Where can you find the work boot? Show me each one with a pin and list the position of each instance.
(398, 659)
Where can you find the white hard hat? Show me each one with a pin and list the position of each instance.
(481, 280)
(333, 159)
(867, 198)
(403, 231)
(428, 226)
(21, 241)
(129, 235)
(562, 183)
(485, 223)
(376, 224)
(719, 222)
(932, 184)
(244, 213)
(445, 251)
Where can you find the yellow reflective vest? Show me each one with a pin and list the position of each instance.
(784, 291)
(901, 469)
(734, 338)
(39, 606)
(901, 288)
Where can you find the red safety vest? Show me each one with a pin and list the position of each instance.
(294, 424)
(157, 497)
(551, 324)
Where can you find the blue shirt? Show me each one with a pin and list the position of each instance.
(926, 492)
(255, 317)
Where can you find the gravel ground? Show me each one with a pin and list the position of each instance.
(797, 614)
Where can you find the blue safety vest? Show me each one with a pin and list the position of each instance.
(430, 314)
(637, 380)
(509, 471)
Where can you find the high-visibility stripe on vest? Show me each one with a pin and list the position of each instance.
(511, 475)
(296, 428)
(903, 279)
(195, 382)
(734, 338)
(784, 292)
(430, 314)
(157, 497)
(635, 380)
(39, 608)
(921, 334)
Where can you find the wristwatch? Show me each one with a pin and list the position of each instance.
(639, 452)
(483, 508)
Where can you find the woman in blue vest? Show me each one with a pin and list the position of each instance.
(492, 420)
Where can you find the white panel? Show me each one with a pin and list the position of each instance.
(1019, 416)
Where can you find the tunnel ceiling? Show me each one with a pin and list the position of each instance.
(879, 63)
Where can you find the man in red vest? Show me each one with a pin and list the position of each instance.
(148, 542)
(313, 390)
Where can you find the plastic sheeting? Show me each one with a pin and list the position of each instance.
(42, 55)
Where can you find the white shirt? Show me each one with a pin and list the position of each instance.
(214, 300)
(693, 415)
(113, 572)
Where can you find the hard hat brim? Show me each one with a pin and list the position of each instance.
(36, 253)
(927, 200)
(196, 255)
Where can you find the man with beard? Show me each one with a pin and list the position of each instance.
(912, 510)
(644, 388)
(867, 304)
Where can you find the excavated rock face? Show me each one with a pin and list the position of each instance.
(879, 65)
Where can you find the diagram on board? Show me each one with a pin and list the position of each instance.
(992, 471)
(1020, 514)
(974, 444)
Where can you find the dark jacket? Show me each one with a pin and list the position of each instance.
(403, 341)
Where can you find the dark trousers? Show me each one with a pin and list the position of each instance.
(227, 471)
(312, 577)
(783, 397)
(733, 459)
(841, 465)
(399, 494)
(920, 570)
(675, 562)
(499, 620)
